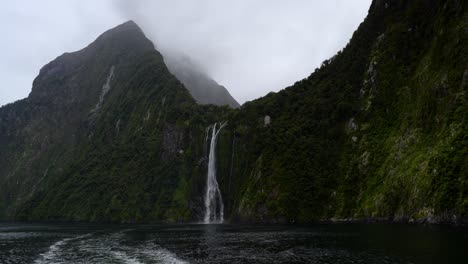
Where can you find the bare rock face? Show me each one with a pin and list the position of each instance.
(266, 121)
(172, 142)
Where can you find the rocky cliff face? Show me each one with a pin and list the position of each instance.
(378, 131)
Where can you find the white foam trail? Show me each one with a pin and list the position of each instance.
(213, 197)
(51, 255)
(162, 255)
(106, 249)
(120, 255)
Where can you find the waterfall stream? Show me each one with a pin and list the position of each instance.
(214, 207)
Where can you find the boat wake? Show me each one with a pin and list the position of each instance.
(52, 256)
(106, 248)
(160, 254)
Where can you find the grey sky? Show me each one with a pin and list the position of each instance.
(250, 46)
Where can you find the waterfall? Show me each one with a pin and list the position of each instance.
(214, 207)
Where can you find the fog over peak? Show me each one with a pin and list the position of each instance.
(250, 47)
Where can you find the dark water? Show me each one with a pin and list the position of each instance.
(343, 243)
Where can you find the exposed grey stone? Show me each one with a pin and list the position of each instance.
(173, 138)
(267, 120)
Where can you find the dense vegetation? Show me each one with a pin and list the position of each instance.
(378, 131)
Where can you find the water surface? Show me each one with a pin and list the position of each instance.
(334, 243)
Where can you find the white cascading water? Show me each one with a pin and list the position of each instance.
(214, 207)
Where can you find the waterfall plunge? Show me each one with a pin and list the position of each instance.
(214, 207)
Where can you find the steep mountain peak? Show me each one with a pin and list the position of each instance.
(124, 44)
(124, 32)
(129, 24)
(122, 39)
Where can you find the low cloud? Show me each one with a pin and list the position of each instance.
(251, 47)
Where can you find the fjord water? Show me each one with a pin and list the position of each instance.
(334, 243)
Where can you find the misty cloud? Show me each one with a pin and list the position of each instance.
(251, 47)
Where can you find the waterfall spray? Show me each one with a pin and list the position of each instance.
(214, 207)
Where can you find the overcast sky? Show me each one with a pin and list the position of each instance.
(251, 47)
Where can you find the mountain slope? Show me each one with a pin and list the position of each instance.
(379, 131)
(203, 89)
(68, 94)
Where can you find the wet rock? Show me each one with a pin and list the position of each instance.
(172, 142)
